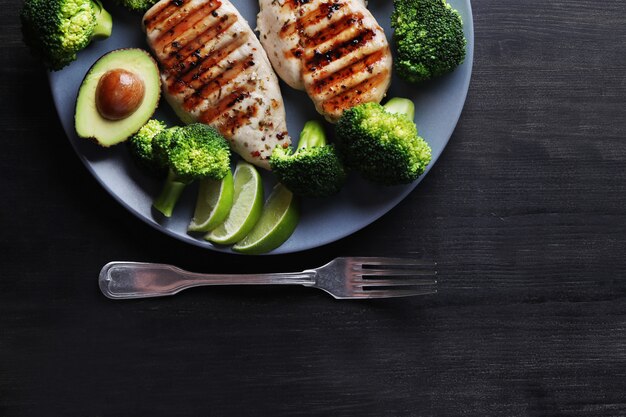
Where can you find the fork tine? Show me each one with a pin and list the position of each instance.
(394, 293)
(395, 272)
(395, 282)
(391, 262)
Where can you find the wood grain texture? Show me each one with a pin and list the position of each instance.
(525, 213)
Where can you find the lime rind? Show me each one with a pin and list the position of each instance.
(246, 208)
(215, 200)
(278, 221)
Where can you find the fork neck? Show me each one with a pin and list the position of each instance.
(306, 278)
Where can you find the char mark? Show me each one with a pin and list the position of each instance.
(201, 69)
(312, 18)
(333, 30)
(321, 59)
(183, 22)
(354, 95)
(164, 11)
(194, 51)
(226, 103)
(202, 89)
(339, 80)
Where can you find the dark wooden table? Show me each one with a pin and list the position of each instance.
(525, 213)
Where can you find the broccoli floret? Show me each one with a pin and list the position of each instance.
(137, 5)
(190, 153)
(164, 137)
(140, 146)
(314, 169)
(382, 143)
(429, 39)
(56, 30)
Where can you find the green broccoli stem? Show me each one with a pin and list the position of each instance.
(400, 105)
(104, 22)
(312, 135)
(171, 192)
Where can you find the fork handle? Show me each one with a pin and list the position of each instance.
(124, 280)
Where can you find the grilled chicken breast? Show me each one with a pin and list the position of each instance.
(215, 71)
(333, 49)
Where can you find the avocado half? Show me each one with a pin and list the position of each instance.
(90, 124)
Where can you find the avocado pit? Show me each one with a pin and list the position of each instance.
(119, 94)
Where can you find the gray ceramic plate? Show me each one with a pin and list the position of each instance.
(438, 107)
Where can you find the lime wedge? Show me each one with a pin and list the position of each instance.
(246, 209)
(278, 221)
(215, 199)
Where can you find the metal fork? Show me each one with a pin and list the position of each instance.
(343, 278)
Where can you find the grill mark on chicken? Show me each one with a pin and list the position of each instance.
(307, 46)
(184, 13)
(333, 30)
(165, 19)
(204, 88)
(314, 17)
(192, 50)
(201, 71)
(352, 96)
(185, 24)
(344, 76)
(322, 59)
(239, 94)
(164, 11)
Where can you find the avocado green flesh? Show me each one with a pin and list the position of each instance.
(90, 124)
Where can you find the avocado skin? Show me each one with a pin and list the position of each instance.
(88, 121)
